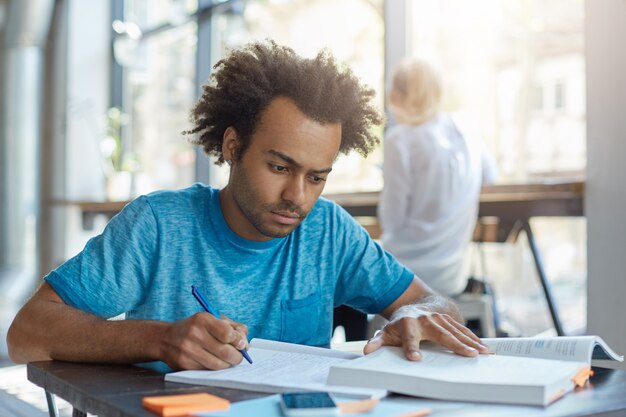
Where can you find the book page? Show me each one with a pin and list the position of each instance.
(567, 348)
(602, 351)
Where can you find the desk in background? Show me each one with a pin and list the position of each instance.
(117, 391)
(513, 205)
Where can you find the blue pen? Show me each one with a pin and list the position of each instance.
(205, 304)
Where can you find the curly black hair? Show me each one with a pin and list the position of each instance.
(249, 78)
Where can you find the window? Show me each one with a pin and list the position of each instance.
(511, 64)
(156, 47)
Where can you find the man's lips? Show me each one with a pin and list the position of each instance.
(285, 217)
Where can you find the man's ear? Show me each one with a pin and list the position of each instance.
(230, 145)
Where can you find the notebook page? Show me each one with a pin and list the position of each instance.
(275, 371)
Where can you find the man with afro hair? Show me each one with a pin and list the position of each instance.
(267, 251)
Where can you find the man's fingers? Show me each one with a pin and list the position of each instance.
(469, 338)
(465, 330)
(241, 328)
(411, 338)
(238, 338)
(448, 340)
(215, 358)
(217, 338)
(223, 351)
(461, 333)
(373, 344)
(204, 353)
(230, 332)
(463, 338)
(404, 332)
(436, 330)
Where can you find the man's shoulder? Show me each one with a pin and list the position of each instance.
(175, 204)
(328, 211)
(194, 192)
(325, 207)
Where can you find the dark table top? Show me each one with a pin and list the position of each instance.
(117, 391)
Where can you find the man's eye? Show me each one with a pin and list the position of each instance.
(279, 168)
(316, 180)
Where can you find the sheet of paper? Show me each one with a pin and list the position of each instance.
(280, 368)
(291, 368)
(291, 347)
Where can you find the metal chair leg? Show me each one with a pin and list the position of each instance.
(547, 289)
(52, 405)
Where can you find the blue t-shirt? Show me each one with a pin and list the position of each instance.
(150, 254)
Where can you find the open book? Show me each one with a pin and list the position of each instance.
(279, 367)
(532, 371)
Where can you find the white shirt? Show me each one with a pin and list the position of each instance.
(429, 204)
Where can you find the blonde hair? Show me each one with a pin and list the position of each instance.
(415, 93)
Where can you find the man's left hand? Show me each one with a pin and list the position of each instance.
(413, 323)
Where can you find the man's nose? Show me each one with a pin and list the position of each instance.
(294, 191)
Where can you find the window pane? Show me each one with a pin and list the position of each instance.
(357, 40)
(517, 67)
(159, 92)
(153, 13)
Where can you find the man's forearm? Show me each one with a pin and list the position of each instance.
(46, 330)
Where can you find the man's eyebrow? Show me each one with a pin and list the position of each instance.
(295, 163)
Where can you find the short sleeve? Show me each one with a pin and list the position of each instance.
(110, 276)
(370, 278)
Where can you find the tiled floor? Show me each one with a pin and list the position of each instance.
(21, 398)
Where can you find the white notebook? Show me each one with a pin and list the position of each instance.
(279, 367)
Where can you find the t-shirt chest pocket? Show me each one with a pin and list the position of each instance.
(300, 320)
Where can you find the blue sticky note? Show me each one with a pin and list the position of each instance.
(265, 406)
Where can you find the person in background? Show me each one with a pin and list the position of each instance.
(433, 172)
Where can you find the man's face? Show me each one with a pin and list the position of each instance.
(278, 179)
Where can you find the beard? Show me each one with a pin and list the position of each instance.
(247, 200)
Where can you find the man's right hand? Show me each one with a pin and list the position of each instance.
(203, 342)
